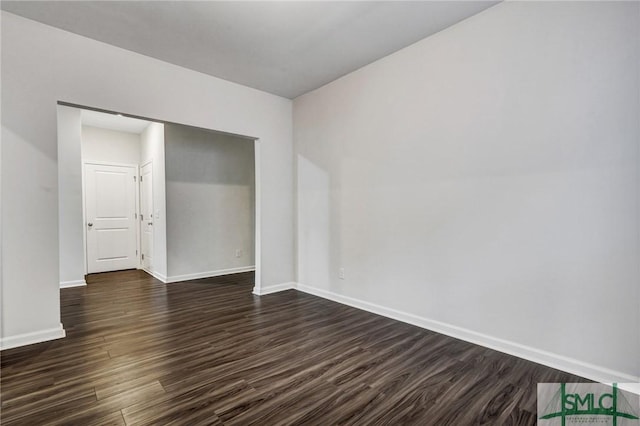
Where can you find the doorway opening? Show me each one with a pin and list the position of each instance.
(176, 201)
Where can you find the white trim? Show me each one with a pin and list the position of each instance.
(156, 275)
(208, 274)
(84, 212)
(261, 291)
(76, 283)
(139, 212)
(630, 387)
(31, 338)
(109, 163)
(137, 215)
(560, 362)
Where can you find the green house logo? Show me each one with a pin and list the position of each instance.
(586, 403)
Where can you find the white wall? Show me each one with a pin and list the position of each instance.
(42, 65)
(70, 206)
(111, 146)
(484, 182)
(210, 202)
(153, 151)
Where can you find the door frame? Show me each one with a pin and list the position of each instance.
(84, 207)
(257, 218)
(139, 212)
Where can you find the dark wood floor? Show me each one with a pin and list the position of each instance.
(209, 352)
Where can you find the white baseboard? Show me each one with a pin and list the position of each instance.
(630, 387)
(569, 365)
(208, 274)
(76, 283)
(156, 275)
(31, 338)
(273, 288)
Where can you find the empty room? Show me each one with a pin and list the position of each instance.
(320, 212)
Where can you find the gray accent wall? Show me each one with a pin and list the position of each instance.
(210, 184)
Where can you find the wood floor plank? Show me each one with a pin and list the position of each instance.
(195, 406)
(208, 351)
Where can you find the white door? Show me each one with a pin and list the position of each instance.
(110, 210)
(146, 216)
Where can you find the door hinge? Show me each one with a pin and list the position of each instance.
(136, 252)
(136, 215)
(141, 216)
(142, 256)
(134, 179)
(140, 178)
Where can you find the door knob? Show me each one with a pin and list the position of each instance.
(150, 223)
(89, 224)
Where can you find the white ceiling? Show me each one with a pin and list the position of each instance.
(113, 121)
(283, 47)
